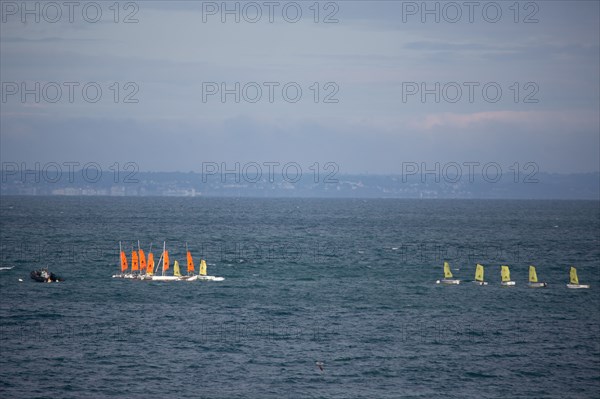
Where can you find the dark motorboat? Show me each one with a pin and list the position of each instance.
(44, 276)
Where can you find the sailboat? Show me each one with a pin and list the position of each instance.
(190, 267)
(123, 264)
(145, 270)
(203, 275)
(533, 280)
(505, 273)
(575, 280)
(143, 265)
(165, 266)
(447, 276)
(134, 264)
(150, 265)
(479, 275)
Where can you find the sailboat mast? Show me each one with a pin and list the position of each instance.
(187, 254)
(159, 260)
(163, 256)
(132, 260)
(120, 250)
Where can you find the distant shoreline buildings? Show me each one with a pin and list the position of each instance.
(179, 184)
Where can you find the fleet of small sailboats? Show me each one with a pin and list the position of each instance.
(505, 277)
(142, 269)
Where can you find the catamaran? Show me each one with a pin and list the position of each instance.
(146, 267)
(190, 267)
(505, 273)
(533, 280)
(143, 265)
(575, 280)
(134, 264)
(479, 275)
(165, 266)
(203, 275)
(448, 278)
(123, 262)
(150, 265)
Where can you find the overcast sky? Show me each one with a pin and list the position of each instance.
(371, 66)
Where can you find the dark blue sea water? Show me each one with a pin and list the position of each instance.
(346, 282)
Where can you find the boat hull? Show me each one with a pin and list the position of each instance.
(165, 278)
(36, 275)
(577, 286)
(537, 285)
(188, 278)
(508, 283)
(174, 278)
(210, 278)
(125, 275)
(481, 282)
(448, 281)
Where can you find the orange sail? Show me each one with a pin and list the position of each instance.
(150, 269)
(134, 261)
(190, 262)
(142, 260)
(123, 262)
(165, 260)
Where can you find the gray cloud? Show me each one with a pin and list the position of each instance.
(369, 54)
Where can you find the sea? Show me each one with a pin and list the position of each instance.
(322, 298)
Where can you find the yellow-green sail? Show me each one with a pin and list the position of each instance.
(574, 278)
(505, 273)
(532, 275)
(203, 267)
(447, 272)
(176, 271)
(479, 273)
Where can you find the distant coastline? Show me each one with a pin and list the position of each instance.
(191, 184)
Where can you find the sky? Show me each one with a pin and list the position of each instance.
(367, 85)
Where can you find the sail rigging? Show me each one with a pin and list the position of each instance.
(150, 264)
(479, 273)
(447, 272)
(190, 263)
(123, 262)
(573, 276)
(134, 261)
(165, 261)
(142, 258)
(532, 275)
